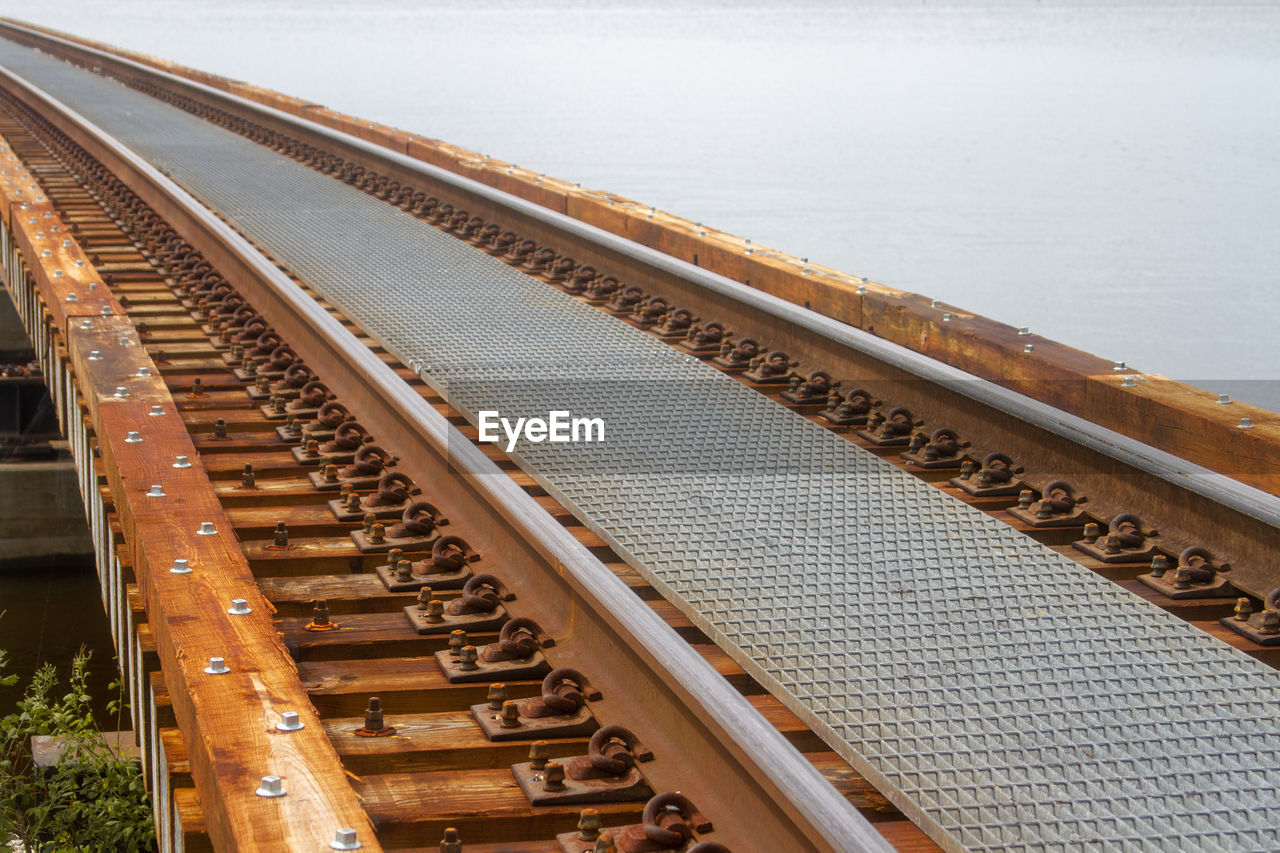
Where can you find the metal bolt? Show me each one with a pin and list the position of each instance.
(1024, 330)
(156, 411)
(1224, 399)
(377, 533)
(320, 613)
(94, 354)
(220, 428)
(1269, 623)
(1244, 607)
(181, 462)
(1092, 532)
(289, 722)
(331, 473)
(156, 491)
(122, 391)
(457, 639)
(497, 695)
(1159, 565)
(247, 478)
(1127, 382)
(467, 657)
(280, 538)
(217, 666)
(539, 752)
(373, 717)
(312, 450)
(106, 311)
(588, 824)
(1119, 366)
(434, 611)
(1029, 348)
(404, 571)
(272, 786)
(1025, 498)
(180, 567)
(144, 371)
(510, 717)
(239, 607)
(451, 843)
(553, 776)
(604, 844)
(133, 437)
(946, 318)
(207, 529)
(345, 839)
(1245, 423)
(1182, 579)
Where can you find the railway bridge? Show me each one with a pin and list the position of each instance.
(848, 569)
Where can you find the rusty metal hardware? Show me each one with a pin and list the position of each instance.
(394, 493)
(668, 824)
(560, 711)
(296, 377)
(893, 430)
(941, 450)
(1124, 542)
(516, 655)
(851, 410)
(363, 472)
(625, 300)
(349, 437)
(248, 480)
(1058, 506)
(418, 528)
(374, 723)
(197, 389)
(479, 608)
(219, 430)
(320, 620)
(996, 477)
(606, 774)
(737, 357)
(311, 397)
(452, 842)
(579, 280)
(771, 369)
(704, 341)
(280, 538)
(446, 568)
(602, 289)
(813, 391)
(1263, 627)
(648, 313)
(676, 324)
(1197, 575)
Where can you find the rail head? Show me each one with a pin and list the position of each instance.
(821, 818)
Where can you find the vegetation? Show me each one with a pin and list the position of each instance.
(90, 800)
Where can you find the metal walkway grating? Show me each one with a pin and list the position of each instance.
(1014, 700)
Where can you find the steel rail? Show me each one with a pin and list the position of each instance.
(787, 801)
(1184, 496)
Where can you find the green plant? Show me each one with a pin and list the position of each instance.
(90, 800)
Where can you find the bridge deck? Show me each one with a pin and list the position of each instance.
(1004, 694)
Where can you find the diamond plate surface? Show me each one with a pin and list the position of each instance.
(1002, 695)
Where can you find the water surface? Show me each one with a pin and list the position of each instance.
(1106, 174)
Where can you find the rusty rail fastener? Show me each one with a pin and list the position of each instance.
(374, 723)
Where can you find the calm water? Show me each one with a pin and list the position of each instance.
(1107, 175)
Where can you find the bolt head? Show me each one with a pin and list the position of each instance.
(272, 786)
(122, 391)
(181, 462)
(156, 411)
(1245, 423)
(1224, 399)
(180, 567)
(1029, 348)
(156, 491)
(144, 371)
(291, 722)
(207, 529)
(217, 666)
(133, 437)
(345, 839)
(239, 607)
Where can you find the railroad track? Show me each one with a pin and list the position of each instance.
(235, 362)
